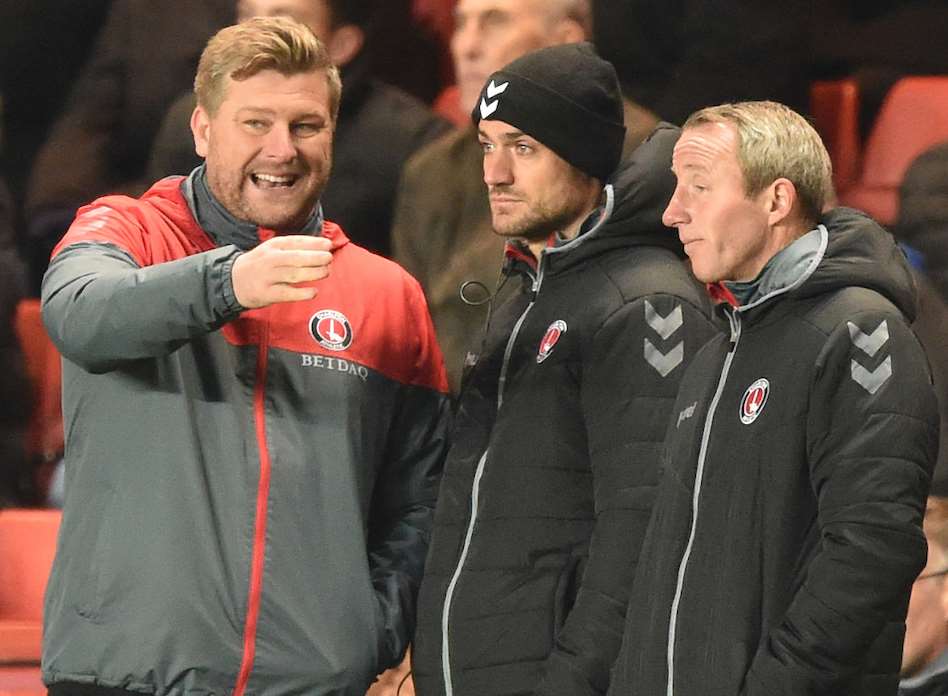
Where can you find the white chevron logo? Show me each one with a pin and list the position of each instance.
(872, 381)
(870, 344)
(493, 90)
(663, 326)
(487, 108)
(662, 362)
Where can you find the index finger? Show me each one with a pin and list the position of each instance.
(300, 242)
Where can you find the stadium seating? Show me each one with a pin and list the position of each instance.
(44, 369)
(913, 117)
(27, 547)
(834, 107)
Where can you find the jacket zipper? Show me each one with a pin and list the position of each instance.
(260, 521)
(475, 491)
(735, 322)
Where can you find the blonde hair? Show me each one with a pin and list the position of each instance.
(262, 43)
(774, 141)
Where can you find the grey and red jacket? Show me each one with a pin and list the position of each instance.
(787, 529)
(248, 493)
(550, 479)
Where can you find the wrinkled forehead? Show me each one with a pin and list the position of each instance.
(704, 146)
(518, 9)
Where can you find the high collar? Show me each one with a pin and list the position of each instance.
(931, 671)
(787, 269)
(847, 249)
(221, 226)
(518, 251)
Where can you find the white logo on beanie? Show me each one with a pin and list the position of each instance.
(487, 108)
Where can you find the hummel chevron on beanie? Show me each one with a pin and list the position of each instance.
(567, 98)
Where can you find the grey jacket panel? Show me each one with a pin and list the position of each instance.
(196, 297)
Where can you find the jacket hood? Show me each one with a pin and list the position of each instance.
(859, 252)
(641, 188)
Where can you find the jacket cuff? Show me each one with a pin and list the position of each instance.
(226, 283)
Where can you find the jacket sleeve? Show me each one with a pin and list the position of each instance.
(406, 489)
(102, 305)
(872, 435)
(630, 380)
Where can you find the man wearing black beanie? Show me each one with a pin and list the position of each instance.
(548, 486)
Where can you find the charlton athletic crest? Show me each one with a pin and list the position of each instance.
(754, 400)
(331, 329)
(552, 335)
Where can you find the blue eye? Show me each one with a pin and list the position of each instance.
(306, 129)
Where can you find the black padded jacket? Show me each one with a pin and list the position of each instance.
(551, 475)
(787, 529)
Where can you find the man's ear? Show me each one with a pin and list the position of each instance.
(345, 43)
(200, 129)
(568, 31)
(781, 201)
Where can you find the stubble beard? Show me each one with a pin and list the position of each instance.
(539, 222)
(231, 195)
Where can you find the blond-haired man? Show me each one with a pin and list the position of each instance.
(253, 443)
(378, 128)
(787, 528)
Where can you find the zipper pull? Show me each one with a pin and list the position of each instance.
(735, 321)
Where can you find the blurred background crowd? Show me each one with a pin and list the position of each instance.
(96, 98)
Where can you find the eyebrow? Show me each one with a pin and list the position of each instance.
(262, 110)
(692, 167)
(509, 136)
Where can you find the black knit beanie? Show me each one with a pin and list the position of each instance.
(567, 98)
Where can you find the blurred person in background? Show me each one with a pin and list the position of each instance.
(144, 57)
(19, 485)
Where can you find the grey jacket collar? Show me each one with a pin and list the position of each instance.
(934, 668)
(786, 271)
(220, 225)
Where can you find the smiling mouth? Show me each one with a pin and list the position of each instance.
(274, 181)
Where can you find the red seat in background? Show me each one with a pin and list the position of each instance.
(913, 117)
(45, 372)
(27, 547)
(834, 106)
(447, 105)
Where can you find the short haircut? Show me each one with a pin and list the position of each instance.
(775, 141)
(936, 525)
(262, 43)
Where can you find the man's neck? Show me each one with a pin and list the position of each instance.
(570, 230)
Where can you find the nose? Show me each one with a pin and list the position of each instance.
(465, 41)
(675, 213)
(497, 169)
(278, 144)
